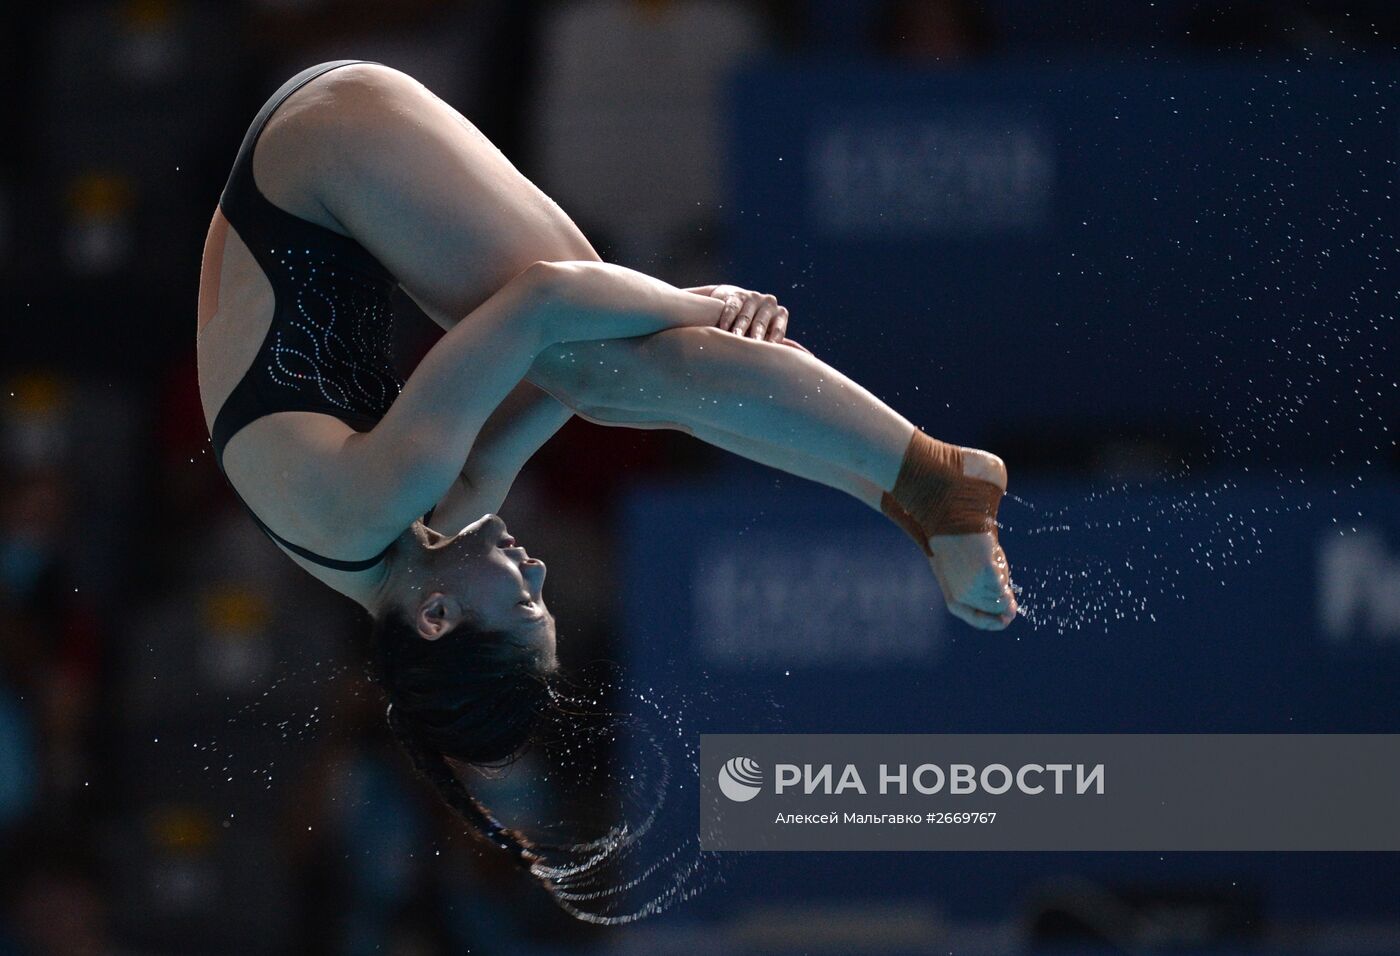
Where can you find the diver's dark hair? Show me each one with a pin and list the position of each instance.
(471, 695)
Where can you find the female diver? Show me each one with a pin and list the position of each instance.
(355, 179)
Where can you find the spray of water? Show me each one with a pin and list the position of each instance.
(1313, 417)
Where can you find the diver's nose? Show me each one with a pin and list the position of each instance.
(528, 564)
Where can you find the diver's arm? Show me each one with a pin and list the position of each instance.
(519, 426)
(450, 514)
(398, 181)
(527, 418)
(409, 460)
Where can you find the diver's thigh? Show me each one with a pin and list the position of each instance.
(415, 183)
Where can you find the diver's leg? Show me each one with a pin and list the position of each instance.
(763, 391)
(765, 453)
(767, 394)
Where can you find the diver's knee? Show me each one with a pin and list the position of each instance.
(584, 374)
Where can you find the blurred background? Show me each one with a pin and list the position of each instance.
(1145, 251)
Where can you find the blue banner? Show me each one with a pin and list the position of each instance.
(1031, 255)
(1171, 608)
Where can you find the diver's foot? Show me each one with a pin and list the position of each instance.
(971, 568)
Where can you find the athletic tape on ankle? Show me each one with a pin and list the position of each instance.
(931, 495)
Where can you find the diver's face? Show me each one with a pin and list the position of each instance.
(484, 574)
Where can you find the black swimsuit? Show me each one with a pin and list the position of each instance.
(327, 349)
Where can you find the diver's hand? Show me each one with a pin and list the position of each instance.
(754, 315)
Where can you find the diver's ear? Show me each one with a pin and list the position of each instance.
(437, 614)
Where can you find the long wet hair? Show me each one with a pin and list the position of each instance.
(482, 698)
(473, 696)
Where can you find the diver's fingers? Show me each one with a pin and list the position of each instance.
(778, 329)
(764, 317)
(733, 302)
